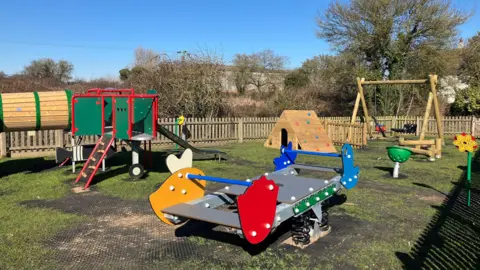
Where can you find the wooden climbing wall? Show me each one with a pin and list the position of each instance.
(303, 129)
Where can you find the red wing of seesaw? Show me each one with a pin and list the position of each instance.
(257, 208)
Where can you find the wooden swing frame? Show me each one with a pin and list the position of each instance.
(432, 100)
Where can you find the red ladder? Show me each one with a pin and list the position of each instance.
(95, 159)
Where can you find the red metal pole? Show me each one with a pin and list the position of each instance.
(155, 116)
(103, 116)
(129, 118)
(114, 101)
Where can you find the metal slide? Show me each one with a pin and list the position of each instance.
(199, 154)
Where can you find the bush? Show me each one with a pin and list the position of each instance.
(192, 87)
(467, 102)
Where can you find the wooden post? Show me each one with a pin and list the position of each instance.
(364, 135)
(426, 117)
(3, 144)
(354, 114)
(240, 130)
(364, 105)
(438, 148)
(59, 138)
(436, 106)
(417, 131)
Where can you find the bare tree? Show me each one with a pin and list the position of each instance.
(192, 87)
(259, 69)
(146, 58)
(48, 68)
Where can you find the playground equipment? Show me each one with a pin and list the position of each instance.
(432, 99)
(466, 143)
(432, 148)
(264, 202)
(379, 127)
(80, 153)
(111, 114)
(407, 129)
(181, 128)
(304, 129)
(120, 114)
(114, 114)
(35, 111)
(398, 155)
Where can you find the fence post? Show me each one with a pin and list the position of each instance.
(474, 123)
(417, 131)
(364, 135)
(59, 138)
(240, 130)
(3, 144)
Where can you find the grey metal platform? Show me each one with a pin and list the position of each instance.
(315, 168)
(136, 136)
(292, 189)
(202, 213)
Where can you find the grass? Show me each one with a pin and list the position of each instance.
(23, 229)
(393, 212)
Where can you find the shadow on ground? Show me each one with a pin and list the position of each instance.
(120, 163)
(29, 165)
(452, 239)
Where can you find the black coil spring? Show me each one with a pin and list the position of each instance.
(301, 229)
(324, 222)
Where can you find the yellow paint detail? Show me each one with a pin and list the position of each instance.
(181, 120)
(465, 143)
(164, 197)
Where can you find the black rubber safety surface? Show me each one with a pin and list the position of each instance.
(126, 234)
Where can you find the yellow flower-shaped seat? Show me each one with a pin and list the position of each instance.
(465, 143)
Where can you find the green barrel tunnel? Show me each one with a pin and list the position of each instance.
(35, 111)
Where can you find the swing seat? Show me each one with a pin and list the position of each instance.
(407, 128)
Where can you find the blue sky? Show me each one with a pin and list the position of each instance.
(99, 37)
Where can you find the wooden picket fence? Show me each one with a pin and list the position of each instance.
(451, 125)
(217, 131)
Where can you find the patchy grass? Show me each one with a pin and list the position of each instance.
(392, 213)
(23, 229)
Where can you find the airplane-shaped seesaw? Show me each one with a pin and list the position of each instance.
(263, 202)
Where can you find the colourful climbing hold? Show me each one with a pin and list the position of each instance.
(296, 123)
(308, 114)
(327, 145)
(318, 149)
(316, 137)
(308, 121)
(304, 141)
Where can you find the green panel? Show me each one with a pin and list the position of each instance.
(38, 121)
(152, 92)
(108, 111)
(68, 93)
(143, 115)
(87, 116)
(121, 118)
(314, 199)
